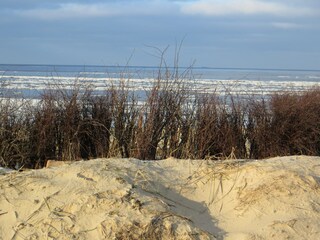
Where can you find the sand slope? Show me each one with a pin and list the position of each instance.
(276, 198)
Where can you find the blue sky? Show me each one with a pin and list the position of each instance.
(215, 33)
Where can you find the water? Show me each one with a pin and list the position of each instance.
(30, 80)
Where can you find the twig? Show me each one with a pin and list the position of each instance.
(3, 213)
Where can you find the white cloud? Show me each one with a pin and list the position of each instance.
(63, 11)
(79, 10)
(287, 25)
(160, 7)
(244, 7)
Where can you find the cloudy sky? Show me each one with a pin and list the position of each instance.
(215, 33)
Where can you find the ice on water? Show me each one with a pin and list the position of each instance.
(32, 79)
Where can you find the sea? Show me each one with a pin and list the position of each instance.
(29, 81)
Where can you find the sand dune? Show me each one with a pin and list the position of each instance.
(275, 198)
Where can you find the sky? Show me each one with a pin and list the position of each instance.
(282, 34)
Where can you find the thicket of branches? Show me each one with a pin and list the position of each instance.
(173, 120)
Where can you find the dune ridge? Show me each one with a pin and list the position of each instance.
(275, 198)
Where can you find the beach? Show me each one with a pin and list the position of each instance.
(277, 198)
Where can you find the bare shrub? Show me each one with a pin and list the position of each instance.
(285, 124)
(70, 122)
(232, 126)
(184, 135)
(153, 119)
(15, 122)
(99, 121)
(296, 122)
(205, 128)
(218, 127)
(46, 130)
(60, 121)
(259, 128)
(125, 115)
(159, 126)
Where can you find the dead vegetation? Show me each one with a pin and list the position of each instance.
(172, 121)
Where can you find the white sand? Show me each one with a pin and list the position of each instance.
(276, 198)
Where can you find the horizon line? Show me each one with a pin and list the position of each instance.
(170, 67)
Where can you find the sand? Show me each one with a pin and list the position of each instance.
(276, 198)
